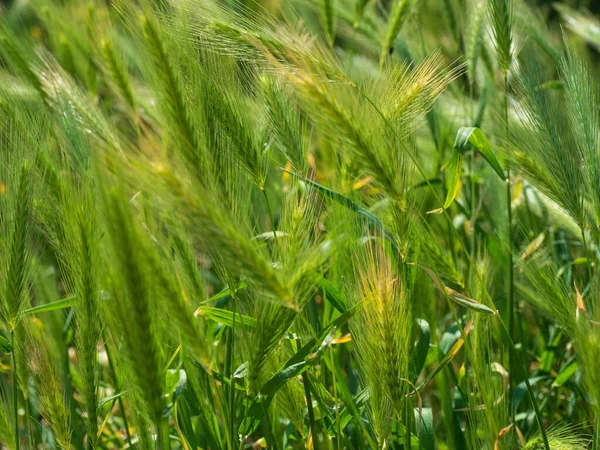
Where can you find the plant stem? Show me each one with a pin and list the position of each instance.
(509, 263)
(15, 389)
(311, 413)
(587, 255)
(337, 409)
(117, 388)
(536, 409)
(271, 217)
(596, 444)
(472, 173)
(408, 411)
(473, 205)
(266, 426)
(230, 352)
(597, 431)
(164, 442)
(28, 424)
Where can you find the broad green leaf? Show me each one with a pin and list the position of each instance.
(455, 168)
(521, 389)
(422, 346)
(294, 369)
(350, 204)
(254, 415)
(474, 137)
(454, 295)
(424, 420)
(566, 373)
(469, 138)
(176, 380)
(225, 293)
(224, 316)
(580, 261)
(63, 303)
(444, 362)
(5, 345)
(308, 355)
(331, 292)
(112, 398)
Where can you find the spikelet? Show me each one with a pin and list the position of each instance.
(502, 16)
(397, 18)
(118, 73)
(86, 290)
(328, 10)
(131, 314)
(171, 91)
(16, 226)
(381, 331)
(560, 437)
(287, 123)
(49, 386)
(474, 40)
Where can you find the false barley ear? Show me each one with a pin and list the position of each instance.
(16, 223)
(172, 93)
(502, 17)
(117, 72)
(132, 306)
(214, 229)
(397, 18)
(382, 332)
(53, 403)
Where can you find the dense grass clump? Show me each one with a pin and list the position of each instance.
(338, 224)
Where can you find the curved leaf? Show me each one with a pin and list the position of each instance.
(469, 138)
(422, 346)
(456, 296)
(224, 316)
(52, 306)
(424, 419)
(451, 354)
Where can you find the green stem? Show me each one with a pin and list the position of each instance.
(597, 431)
(587, 255)
(164, 441)
(337, 409)
(408, 411)
(472, 173)
(509, 263)
(334, 368)
(113, 373)
(15, 388)
(530, 394)
(473, 205)
(267, 430)
(30, 438)
(230, 352)
(270, 212)
(596, 444)
(311, 413)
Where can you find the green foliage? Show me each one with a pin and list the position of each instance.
(333, 225)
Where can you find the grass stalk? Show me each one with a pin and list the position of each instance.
(509, 263)
(164, 440)
(271, 216)
(116, 383)
(311, 413)
(229, 373)
(596, 445)
(530, 394)
(408, 413)
(15, 389)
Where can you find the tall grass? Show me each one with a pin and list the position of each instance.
(238, 225)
